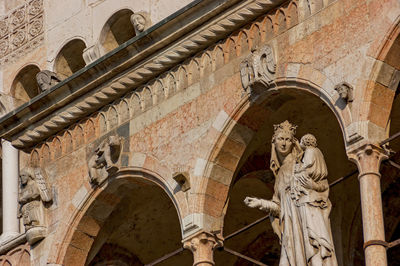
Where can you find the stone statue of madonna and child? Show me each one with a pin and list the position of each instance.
(299, 209)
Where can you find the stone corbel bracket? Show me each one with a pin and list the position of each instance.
(257, 71)
(183, 179)
(79, 95)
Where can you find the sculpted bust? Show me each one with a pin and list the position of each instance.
(140, 21)
(300, 208)
(46, 79)
(33, 193)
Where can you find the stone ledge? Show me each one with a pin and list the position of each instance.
(12, 243)
(135, 62)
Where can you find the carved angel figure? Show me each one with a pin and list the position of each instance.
(33, 193)
(104, 159)
(300, 207)
(46, 79)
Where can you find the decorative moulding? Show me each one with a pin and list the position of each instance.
(71, 109)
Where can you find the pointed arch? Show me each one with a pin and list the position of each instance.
(243, 40)
(280, 21)
(135, 104)
(218, 57)
(182, 78)
(206, 64)
(269, 28)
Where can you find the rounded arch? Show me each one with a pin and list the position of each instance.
(239, 129)
(24, 86)
(70, 58)
(100, 204)
(242, 147)
(117, 30)
(383, 80)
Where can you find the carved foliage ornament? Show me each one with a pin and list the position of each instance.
(258, 69)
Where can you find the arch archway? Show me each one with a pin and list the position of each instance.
(117, 30)
(240, 165)
(24, 86)
(384, 80)
(132, 218)
(70, 58)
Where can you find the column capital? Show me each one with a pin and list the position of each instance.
(368, 158)
(202, 246)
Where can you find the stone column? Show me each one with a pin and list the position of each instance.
(368, 159)
(10, 178)
(202, 246)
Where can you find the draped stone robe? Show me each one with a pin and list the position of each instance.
(303, 224)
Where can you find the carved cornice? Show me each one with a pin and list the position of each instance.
(31, 123)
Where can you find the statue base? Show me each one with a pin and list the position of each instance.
(35, 234)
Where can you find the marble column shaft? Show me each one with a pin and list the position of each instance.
(10, 177)
(368, 159)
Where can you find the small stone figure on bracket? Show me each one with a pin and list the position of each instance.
(47, 79)
(140, 21)
(345, 91)
(104, 160)
(33, 193)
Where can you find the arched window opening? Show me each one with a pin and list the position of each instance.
(117, 30)
(70, 59)
(25, 86)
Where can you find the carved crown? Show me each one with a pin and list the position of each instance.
(285, 126)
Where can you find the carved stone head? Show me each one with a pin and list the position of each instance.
(140, 21)
(26, 174)
(308, 140)
(345, 91)
(283, 137)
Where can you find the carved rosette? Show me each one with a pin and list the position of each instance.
(36, 26)
(3, 27)
(3, 47)
(18, 17)
(35, 7)
(21, 31)
(258, 69)
(18, 38)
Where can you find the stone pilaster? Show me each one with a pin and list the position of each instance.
(368, 159)
(202, 246)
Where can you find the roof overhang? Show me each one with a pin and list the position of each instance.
(132, 64)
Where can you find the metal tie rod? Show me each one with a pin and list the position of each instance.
(243, 256)
(165, 257)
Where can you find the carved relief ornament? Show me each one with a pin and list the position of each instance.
(34, 193)
(105, 159)
(258, 69)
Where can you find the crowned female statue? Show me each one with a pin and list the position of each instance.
(299, 209)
